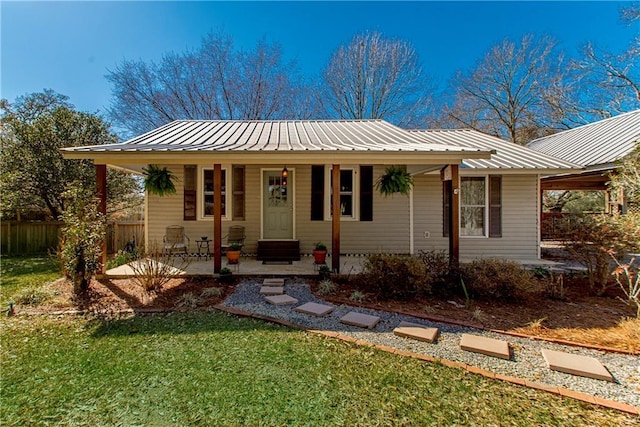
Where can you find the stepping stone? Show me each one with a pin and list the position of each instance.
(314, 309)
(574, 364)
(281, 300)
(416, 331)
(359, 319)
(486, 346)
(272, 290)
(273, 282)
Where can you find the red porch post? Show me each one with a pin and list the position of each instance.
(101, 193)
(335, 222)
(217, 218)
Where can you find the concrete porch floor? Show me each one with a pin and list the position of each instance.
(249, 266)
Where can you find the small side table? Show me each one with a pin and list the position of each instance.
(204, 245)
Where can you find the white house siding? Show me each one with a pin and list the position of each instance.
(519, 220)
(388, 232)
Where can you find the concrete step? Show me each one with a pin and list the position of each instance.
(361, 320)
(273, 282)
(416, 331)
(484, 345)
(272, 290)
(584, 366)
(314, 309)
(281, 300)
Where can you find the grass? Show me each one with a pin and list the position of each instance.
(210, 368)
(20, 276)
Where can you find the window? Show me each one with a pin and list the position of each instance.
(481, 206)
(472, 206)
(347, 194)
(207, 187)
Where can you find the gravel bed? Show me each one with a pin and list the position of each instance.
(526, 361)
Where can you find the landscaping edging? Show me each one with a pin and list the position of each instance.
(560, 391)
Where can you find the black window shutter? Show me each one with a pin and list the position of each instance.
(366, 193)
(446, 207)
(495, 206)
(317, 192)
(189, 200)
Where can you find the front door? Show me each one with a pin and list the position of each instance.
(277, 205)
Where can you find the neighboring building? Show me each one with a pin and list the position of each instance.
(597, 147)
(474, 195)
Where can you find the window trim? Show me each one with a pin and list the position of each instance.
(201, 192)
(355, 192)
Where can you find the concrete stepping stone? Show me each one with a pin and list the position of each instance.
(486, 346)
(361, 320)
(273, 282)
(281, 300)
(314, 309)
(272, 290)
(584, 366)
(416, 331)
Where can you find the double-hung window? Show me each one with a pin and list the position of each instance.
(480, 206)
(207, 192)
(348, 206)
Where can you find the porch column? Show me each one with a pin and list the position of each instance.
(217, 217)
(101, 193)
(335, 222)
(454, 232)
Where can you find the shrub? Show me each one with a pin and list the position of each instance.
(357, 296)
(440, 278)
(326, 287)
(591, 239)
(81, 237)
(212, 292)
(121, 258)
(628, 278)
(31, 296)
(496, 279)
(154, 269)
(394, 276)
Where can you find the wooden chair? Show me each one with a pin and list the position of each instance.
(175, 240)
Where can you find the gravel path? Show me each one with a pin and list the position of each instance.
(527, 361)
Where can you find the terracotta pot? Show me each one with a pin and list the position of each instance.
(233, 257)
(319, 256)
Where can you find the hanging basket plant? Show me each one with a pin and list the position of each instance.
(394, 180)
(159, 181)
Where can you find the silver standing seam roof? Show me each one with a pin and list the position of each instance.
(277, 136)
(597, 144)
(507, 154)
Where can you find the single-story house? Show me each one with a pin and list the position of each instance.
(474, 195)
(597, 147)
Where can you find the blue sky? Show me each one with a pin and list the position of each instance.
(68, 46)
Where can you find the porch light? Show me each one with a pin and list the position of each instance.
(285, 175)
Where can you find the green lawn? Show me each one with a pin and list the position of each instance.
(20, 275)
(209, 368)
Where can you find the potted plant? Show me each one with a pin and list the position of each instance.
(320, 253)
(324, 272)
(159, 181)
(395, 179)
(233, 253)
(225, 274)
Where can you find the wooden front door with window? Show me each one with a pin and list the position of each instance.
(277, 205)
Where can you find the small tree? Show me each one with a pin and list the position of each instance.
(82, 234)
(592, 240)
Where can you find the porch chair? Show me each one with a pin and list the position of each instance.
(235, 235)
(176, 241)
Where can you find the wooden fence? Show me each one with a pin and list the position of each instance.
(35, 237)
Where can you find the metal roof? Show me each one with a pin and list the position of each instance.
(598, 143)
(278, 136)
(507, 155)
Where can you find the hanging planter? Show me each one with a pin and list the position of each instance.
(394, 180)
(159, 181)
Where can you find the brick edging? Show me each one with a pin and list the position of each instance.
(560, 391)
